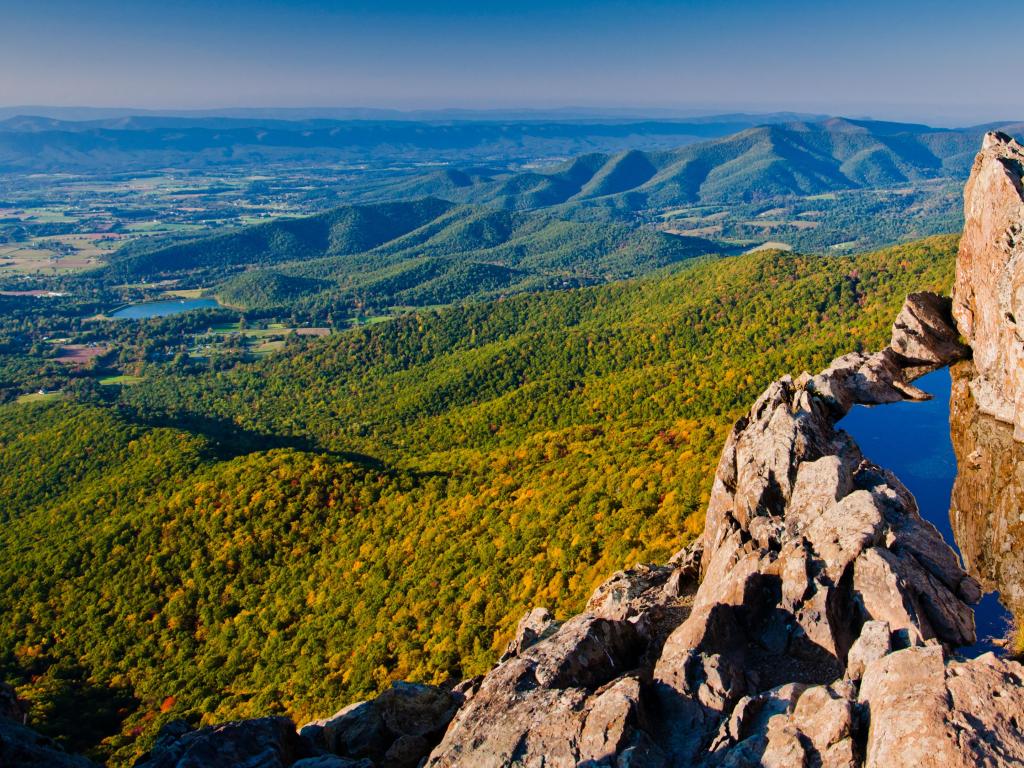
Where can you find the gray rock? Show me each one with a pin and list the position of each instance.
(357, 731)
(22, 747)
(535, 625)
(395, 730)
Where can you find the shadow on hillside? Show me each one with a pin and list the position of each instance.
(78, 712)
(228, 440)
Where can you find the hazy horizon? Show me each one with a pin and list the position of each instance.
(569, 112)
(929, 62)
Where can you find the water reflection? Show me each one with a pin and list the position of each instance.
(986, 506)
(915, 441)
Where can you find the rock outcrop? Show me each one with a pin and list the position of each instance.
(266, 742)
(988, 294)
(817, 569)
(396, 730)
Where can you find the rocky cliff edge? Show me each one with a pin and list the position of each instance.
(988, 295)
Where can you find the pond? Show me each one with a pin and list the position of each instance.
(163, 308)
(913, 439)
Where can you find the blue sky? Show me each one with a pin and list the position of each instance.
(943, 60)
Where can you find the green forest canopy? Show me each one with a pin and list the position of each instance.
(436, 476)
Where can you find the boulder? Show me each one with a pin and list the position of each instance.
(820, 731)
(356, 731)
(395, 730)
(558, 703)
(875, 641)
(22, 747)
(535, 625)
(926, 712)
(924, 333)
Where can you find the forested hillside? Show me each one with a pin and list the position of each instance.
(434, 476)
(759, 163)
(416, 253)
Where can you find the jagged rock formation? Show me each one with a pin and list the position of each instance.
(816, 565)
(989, 291)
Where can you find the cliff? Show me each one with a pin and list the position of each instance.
(987, 498)
(988, 295)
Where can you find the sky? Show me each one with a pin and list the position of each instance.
(940, 61)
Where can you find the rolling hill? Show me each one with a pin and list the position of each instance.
(413, 253)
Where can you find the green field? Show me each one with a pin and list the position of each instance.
(120, 379)
(40, 397)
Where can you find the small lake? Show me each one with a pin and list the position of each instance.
(163, 308)
(913, 440)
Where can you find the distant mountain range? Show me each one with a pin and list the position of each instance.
(460, 233)
(561, 114)
(115, 143)
(758, 163)
(626, 165)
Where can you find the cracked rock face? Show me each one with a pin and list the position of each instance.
(988, 296)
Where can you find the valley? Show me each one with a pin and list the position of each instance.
(288, 243)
